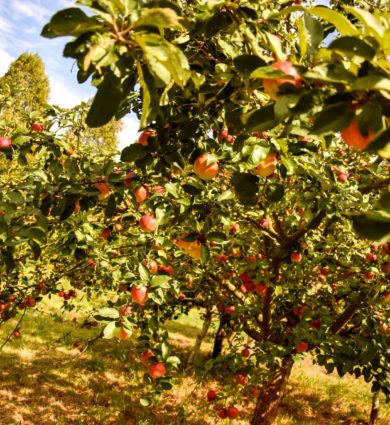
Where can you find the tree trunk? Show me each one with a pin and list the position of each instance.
(220, 335)
(374, 408)
(271, 394)
(200, 338)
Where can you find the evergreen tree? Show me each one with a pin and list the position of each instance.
(25, 86)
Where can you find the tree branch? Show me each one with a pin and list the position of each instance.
(375, 184)
(346, 315)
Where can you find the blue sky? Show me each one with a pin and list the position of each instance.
(21, 22)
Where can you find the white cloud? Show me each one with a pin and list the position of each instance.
(31, 9)
(129, 132)
(5, 61)
(62, 95)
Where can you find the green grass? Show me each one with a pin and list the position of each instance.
(46, 380)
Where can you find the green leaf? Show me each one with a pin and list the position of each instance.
(257, 154)
(372, 82)
(164, 60)
(374, 225)
(276, 46)
(36, 234)
(333, 118)
(274, 192)
(218, 237)
(260, 120)
(204, 254)
(353, 46)
(165, 350)
(71, 21)
(15, 197)
(373, 26)
(339, 21)
(133, 152)
(332, 73)
(36, 249)
(247, 187)
(143, 272)
(159, 280)
(110, 331)
(310, 34)
(105, 103)
(246, 64)
(283, 106)
(173, 360)
(107, 314)
(145, 402)
(269, 72)
(159, 17)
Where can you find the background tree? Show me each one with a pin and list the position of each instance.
(26, 86)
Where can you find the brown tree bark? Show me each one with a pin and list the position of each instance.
(271, 394)
(374, 408)
(220, 335)
(200, 338)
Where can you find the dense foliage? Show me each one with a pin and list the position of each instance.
(240, 197)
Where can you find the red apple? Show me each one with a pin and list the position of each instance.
(205, 168)
(241, 379)
(224, 135)
(157, 370)
(261, 289)
(166, 269)
(181, 296)
(370, 257)
(230, 309)
(139, 294)
(233, 412)
(129, 177)
(37, 127)
(296, 257)
(368, 275)
(143, 139)
(211, 395)
(302, 346)
(5, 143)
(104, 235)
(267, 166)
(386, 268)
(343, 177)
(271, 86)
(315, 323)
(118, 227)
(141, 193)
(234, 228)
(386, 297)
(152, 266)
(235, 251)
(103, 189)
(145, 356)
(245, 352)
(222, 258)
(222, 413)
(17, 334)
(148, 223)
(354, 138)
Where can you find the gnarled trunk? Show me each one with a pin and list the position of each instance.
(374, 408)
(271, 394)
(200, 338)
(220, 335)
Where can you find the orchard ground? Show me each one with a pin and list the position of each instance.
(47, 380)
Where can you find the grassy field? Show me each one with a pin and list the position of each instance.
(46, 380)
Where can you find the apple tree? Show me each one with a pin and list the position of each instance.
(258, 187)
